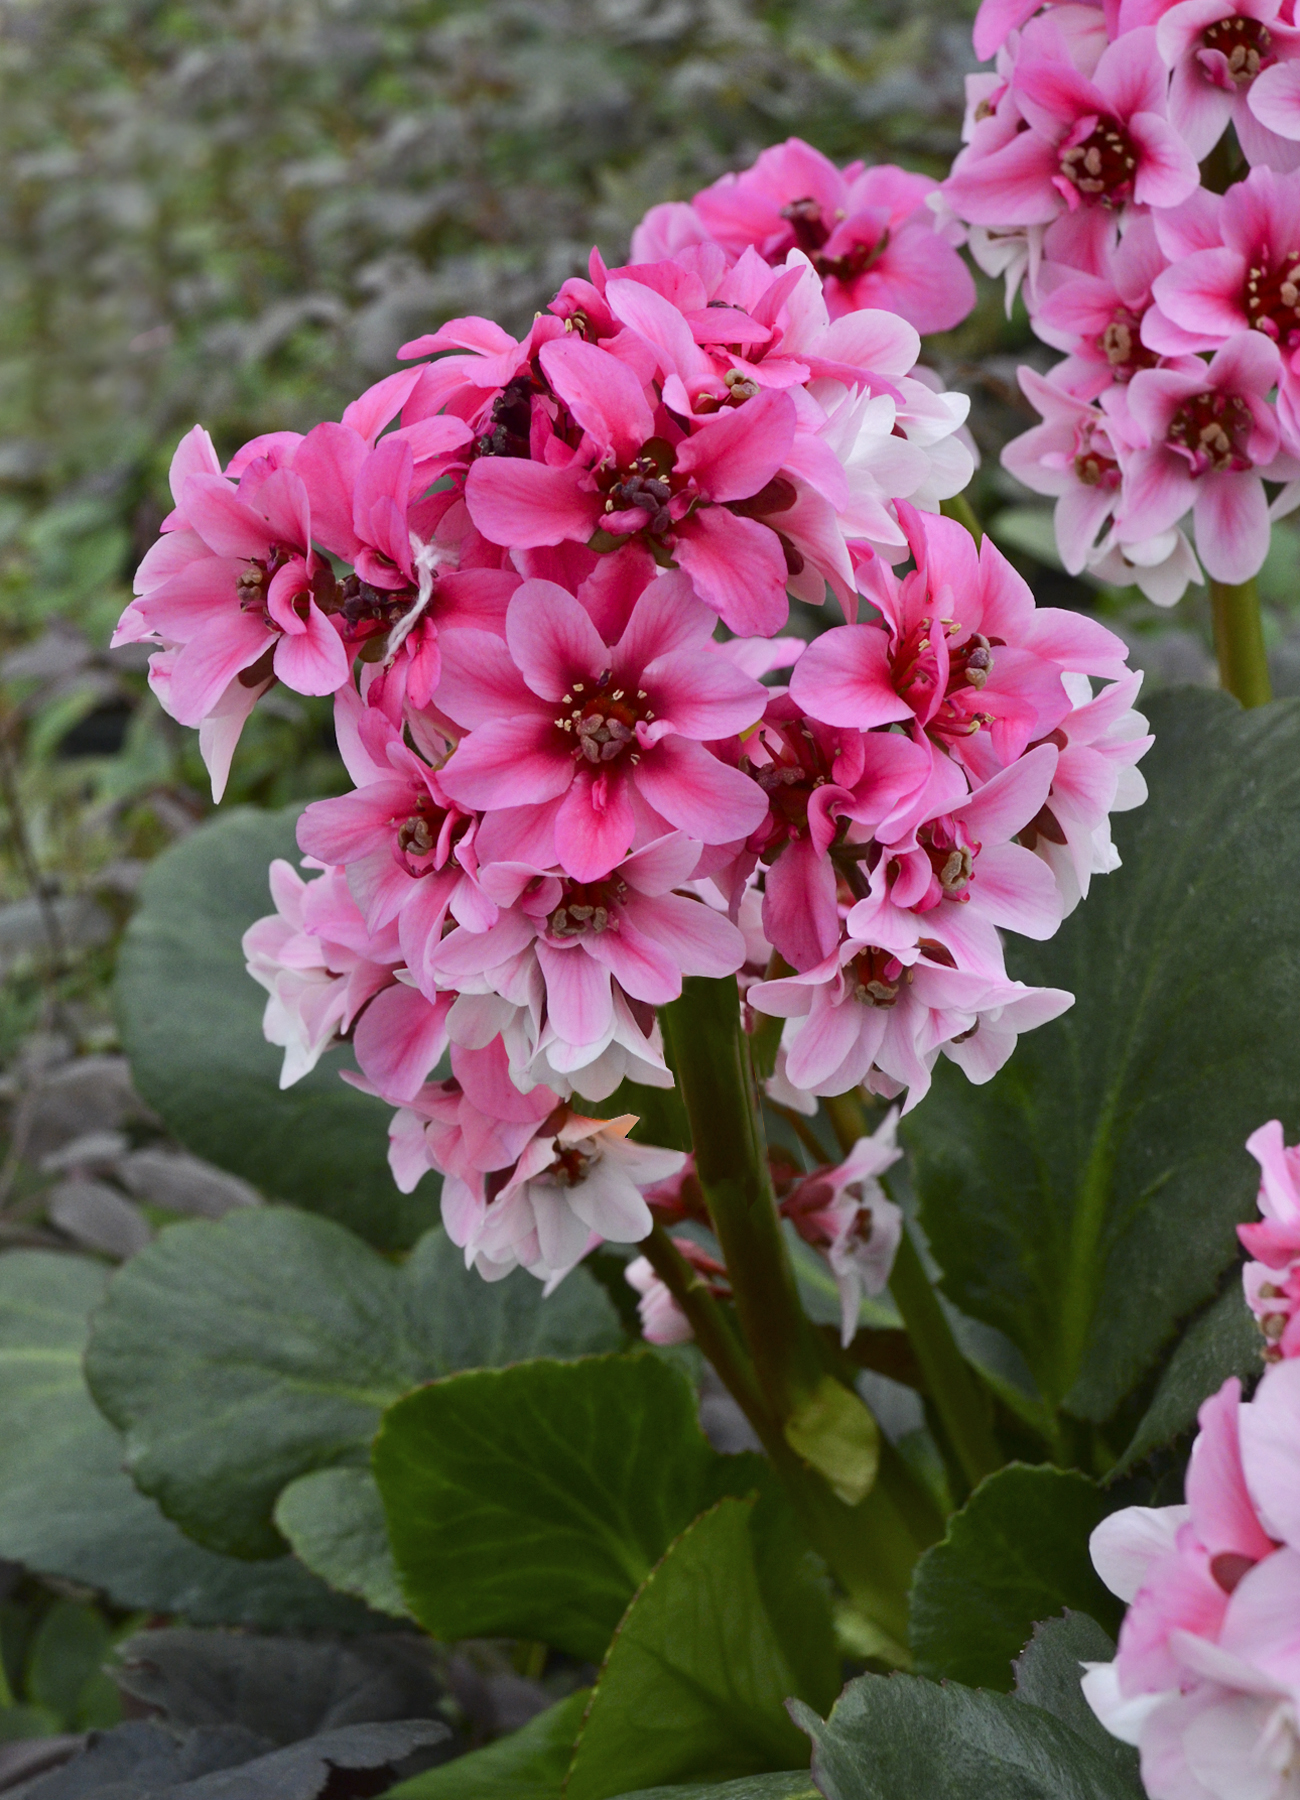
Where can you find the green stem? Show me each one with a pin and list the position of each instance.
(712, 1064)
(871, 1545)
(959, 507)
(950, 1382)
(1239, 642)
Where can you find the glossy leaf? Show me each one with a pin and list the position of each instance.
(1048, 1676)
(1017, 1552)
(533, 1501)
(694, 1683)
(67, 1509)
(1223, 1340)
(334, 1522)
(898, 1737)
(191, 1022)
(1084, 1200)
(295, 1335)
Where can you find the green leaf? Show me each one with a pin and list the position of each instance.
(897, 1737)
(295, 1335)
(71, 1642)
(66, 1507)
(1016, 1552)
(695, 1682)
(191, 1023)
(334, 1522)
(529, 1764)
(532, 1502)
(1048, 1676)
(1223, 1340)
(1084, 1200)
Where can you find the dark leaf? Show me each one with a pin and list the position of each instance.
(1223, 1340)
(1084, 1200)
(900, 1738)
(1048, 1676)
(296, 1335)
(533, 1501)
(529, 1764)
(1017, 1552)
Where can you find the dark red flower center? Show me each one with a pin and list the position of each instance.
(509, 426)
(798, 768)
(811, 232)
(1272, 299)
(950, 856)
(877, 976)
(1104, 165)
(601, 720)
(1247, 45)
(421, 831)
(588, 906)
(1211, 431)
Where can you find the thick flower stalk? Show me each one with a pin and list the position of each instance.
(1172, 419)
(608, 830)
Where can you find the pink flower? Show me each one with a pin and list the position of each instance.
(1241, 281)
(591, 745)
(572, 956)
(1205, 1680)
(1210, 437)
(1072, 457)
(468, 1125)
(965, 653)
(577, 1183)
(1272, 1280)
(845, 1214)
(1093, 147)
(319, 964)
(1101, 742)
(1098, 318)
(867, 232)
(881, 1015)
(1217, 50)
(408, 848)
(662, 1320)
(230, 589)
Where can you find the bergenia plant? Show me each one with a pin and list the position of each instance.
(662, 924)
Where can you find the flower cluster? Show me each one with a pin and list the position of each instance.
(1178, 308)
(542, 579)
(1205, 1681)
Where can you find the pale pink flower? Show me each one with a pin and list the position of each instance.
(319, 964)
(1162, 567)
(407, 847)
(845, 1214)
(662, 1320)
(866, 231)
(1210, 437)
(1071, 457)
(1101, 742)
(1205, 1678)
(594, 746)
(1272, 1280)
(472, 1123)
(1098, 319)
(575, 954)
(577, 1183)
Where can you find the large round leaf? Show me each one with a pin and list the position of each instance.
(1085, 1200)
(191, 1023)
(66, 1506)
(240, 1355)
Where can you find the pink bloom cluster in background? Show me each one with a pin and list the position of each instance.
(1178, 309)
(1206, 1681)
(543, 580)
